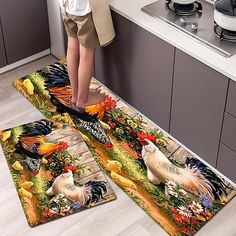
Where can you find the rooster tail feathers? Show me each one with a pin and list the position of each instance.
(41, 127)
(217, 184)
(195, 180)
(97, 191)
(55, 76)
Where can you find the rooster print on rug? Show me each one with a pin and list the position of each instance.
(172, 185)
(53, 170)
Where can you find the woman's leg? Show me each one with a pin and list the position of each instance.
(85, 71)
(73, 58)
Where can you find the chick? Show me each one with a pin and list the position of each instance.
(104, 125)
(6, 135)
(17, 166)
(114, 166)
(24, 193)
(126, 183)
(27, 185)
(84, 137)
(44, 161)
(29, 86)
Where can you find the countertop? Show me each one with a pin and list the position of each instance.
(131, 9)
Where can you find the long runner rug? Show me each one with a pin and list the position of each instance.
(173, 186)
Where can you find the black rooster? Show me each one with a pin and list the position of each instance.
(58, 85)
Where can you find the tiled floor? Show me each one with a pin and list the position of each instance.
(121, 217)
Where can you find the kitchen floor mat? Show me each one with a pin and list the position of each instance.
(53, 170)
(173, 186)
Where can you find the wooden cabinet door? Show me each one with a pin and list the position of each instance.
(226, 162)
(25, 27)
(3, 59)
(198, 102)
(112, 61)
(151, 72)
(231, 100)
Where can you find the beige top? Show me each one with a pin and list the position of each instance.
(102, 20)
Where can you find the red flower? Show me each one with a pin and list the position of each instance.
(185, 219)
(50, 214)
(174, 210)
(131, 144)
(142, 135)
(131, 131)
(44, 214)
(177, 218)
(121, 120)
(108, 145)
(194, 221)
(184, 229)
(113, 125)
(43, 220)
(61, 146)
(72, 168)
(109, 103)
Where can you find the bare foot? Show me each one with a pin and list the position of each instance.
(73, 100)
(93, 98)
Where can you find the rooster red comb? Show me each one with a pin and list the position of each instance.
(72, 168)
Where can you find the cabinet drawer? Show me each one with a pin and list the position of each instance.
(231, 101)
(229, 131)
(227, 162)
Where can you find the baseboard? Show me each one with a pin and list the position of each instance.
(24, 61)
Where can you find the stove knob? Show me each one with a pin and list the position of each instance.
(194, 26)
(183, 20)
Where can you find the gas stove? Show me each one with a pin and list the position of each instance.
(197, 21)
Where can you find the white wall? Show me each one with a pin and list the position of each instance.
(56, 29)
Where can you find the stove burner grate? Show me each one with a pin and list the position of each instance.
(224, 34)
(184, 9)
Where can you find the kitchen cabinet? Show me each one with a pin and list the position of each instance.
(25, 28)
(151, 71)
(226, 162)
(198, 102)
(3, 59)
(112, 62)
(231, 100)
(229, 131)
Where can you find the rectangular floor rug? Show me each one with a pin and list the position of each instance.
(53, 170)
(171, 185)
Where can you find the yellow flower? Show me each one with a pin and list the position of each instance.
(67, 159)
(132, 124)
(201, 218)
(119, 131)
(161, 142)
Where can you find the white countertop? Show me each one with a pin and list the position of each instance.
(131, 9)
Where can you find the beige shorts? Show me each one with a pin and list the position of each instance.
(81, 27)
